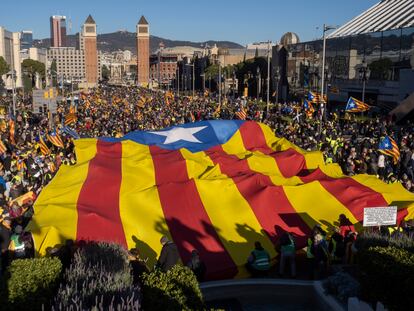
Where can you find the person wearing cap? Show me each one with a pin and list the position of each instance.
(169, 256)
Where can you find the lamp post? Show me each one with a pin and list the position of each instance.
(364, 74)
(259, 79)
(13, 77)
(219, 86)
(268, 75)
(277, 77)
(326, 28)
(192, 65)
(178, 80)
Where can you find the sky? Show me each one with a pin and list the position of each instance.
(241, 21)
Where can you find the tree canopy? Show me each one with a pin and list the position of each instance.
(4, 67)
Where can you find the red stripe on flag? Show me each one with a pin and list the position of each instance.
(187, 220)
(98, 203)
(353, 195)
(290, 162)
(268, 202)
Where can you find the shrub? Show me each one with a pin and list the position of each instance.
(99, 278)
(371, 239)
(176, 289)
(31, 283)
(387, 275)
(342, 286)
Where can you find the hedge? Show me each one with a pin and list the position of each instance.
(31, 283)
(371, 239)
(177, 289)
(387, 275)
(99, 278)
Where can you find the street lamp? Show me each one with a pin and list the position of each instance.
(192, 65)
(12, 73)
(259, 79)
(325, 29)
(268, 75)
(364, 74)
(277, 78)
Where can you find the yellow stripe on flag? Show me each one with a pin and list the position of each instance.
(231, 215)
(234, 145)
(61, 196)
(314, 159)
(140, 207)
(316, 205)
(394, 194)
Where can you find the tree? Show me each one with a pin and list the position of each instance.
(105, 73)
(30, 68)
(53, 69)
(4, 67)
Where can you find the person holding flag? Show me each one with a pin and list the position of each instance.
(308, 108)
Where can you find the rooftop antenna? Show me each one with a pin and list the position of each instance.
(70, 25)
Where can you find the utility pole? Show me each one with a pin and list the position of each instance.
(325, 29)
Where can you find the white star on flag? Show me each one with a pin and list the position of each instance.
(180, 133)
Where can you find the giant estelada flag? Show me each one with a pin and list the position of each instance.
(214, 186)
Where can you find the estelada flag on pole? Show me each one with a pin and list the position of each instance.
(3, 148)
(215, 186)
(389, 147)
(44, 149)
(12, 130)
(355, 105)
(55, 139)
(70, 118)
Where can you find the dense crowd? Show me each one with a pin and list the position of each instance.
(31, 153)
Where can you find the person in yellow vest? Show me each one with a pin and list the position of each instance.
(258, 263)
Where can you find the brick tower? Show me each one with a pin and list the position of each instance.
(90, 51)
(143, 52)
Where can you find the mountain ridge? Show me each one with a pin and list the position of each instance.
(125, 40)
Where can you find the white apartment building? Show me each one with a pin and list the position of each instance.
(10, 51)
(70, 63)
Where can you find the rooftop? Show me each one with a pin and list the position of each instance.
(142, 21)
(385, 15)
(90, 20)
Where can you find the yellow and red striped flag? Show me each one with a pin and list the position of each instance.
(44, 149)
(70, 118)
(215, 186)
(389, 147)
(12, 130)
(3, 147)
(241, 114)
(55, 139)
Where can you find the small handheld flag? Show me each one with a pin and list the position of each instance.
(241, 115)
(55, 139)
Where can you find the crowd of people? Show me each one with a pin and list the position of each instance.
(34, 146)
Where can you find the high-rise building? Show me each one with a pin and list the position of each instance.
(10, 51)
(57, 31)
(26, 39)
(83, 64)
(91, 53)
(143, 52)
